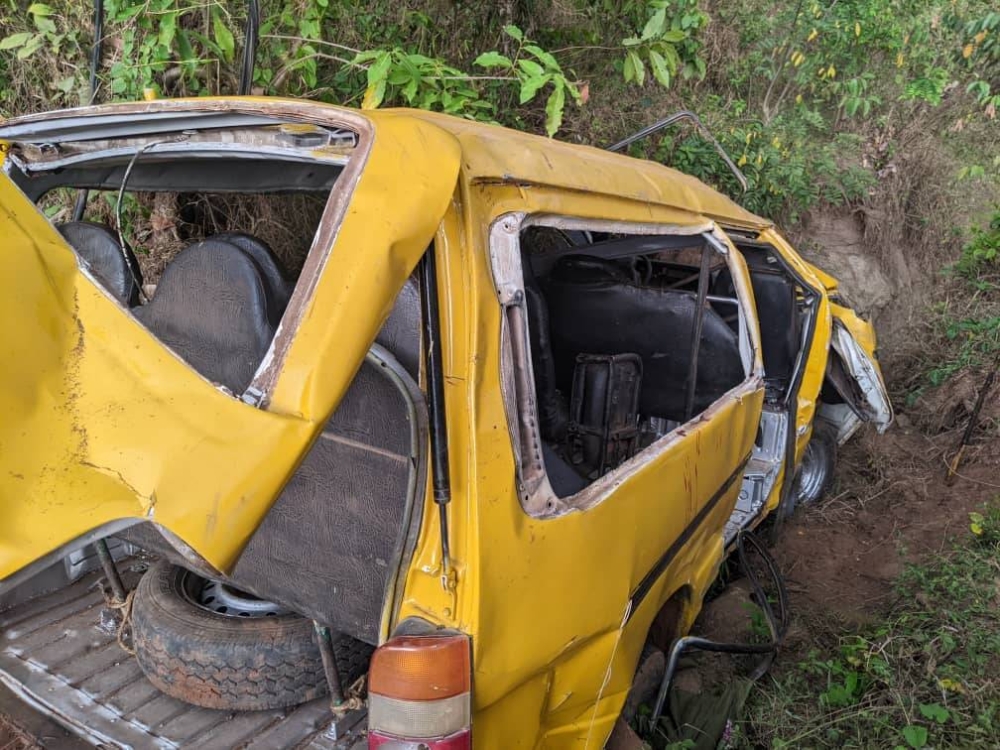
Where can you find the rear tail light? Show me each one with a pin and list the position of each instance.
(420, 694)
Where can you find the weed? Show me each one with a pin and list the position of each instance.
(924, 676)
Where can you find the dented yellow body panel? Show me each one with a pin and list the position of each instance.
(101, 424)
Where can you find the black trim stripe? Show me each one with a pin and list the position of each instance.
(648, 581)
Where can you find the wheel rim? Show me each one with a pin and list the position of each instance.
(224, 599)
(812, 475)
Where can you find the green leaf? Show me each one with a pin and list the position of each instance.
(655, 25)
(375, 94)
(554, 109)
(378, 71)
(632, 41)
(935, 712)
(530, 87)
(671, 56)
(40, 9)
(223, 38)
(399, 75)
(659, 67)
(410, 90)
(422, 60)
(628, 69)
(915, 736)
(15, 40)
(674, 36)
(638, 68)
(530, 67)
(366, 55)
(187, 55)
(45, 24)
(65, 84)
(493, 60)
(34, 44)
(512, 31)
(544, 57)
(168, 28)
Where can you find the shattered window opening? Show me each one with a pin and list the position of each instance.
(601, 327)
(215, 228)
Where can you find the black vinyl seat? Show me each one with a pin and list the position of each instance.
(594, 309)
(279, 289)
(213, 307)
(112, 265)
(780, 323)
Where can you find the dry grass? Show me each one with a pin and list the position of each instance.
(12, 737)
(160, 225)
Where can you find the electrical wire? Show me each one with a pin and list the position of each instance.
(777, 623)
(118, 209)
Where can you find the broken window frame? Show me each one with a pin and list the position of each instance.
(517, 381)
(213, 117)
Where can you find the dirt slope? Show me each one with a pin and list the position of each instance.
(890, 506)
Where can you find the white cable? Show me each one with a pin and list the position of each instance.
(118, 208)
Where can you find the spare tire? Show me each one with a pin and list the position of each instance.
(247, 656)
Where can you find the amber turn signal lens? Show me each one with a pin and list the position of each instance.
(421, 667)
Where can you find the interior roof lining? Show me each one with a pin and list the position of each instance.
(116, 125)
(642, 244)
(175, 176)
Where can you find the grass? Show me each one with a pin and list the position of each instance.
(925, 675)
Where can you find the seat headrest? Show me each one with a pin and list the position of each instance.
(212, 308)
(113, 266)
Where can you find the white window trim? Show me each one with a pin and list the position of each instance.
(517, 376)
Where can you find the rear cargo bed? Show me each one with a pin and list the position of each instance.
(59, 652)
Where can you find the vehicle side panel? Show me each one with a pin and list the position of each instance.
(549, 603)
(100, 422)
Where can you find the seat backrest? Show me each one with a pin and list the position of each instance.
(592, 313)
(212, 308)
(278, 287)
(553, 411)
(401, 333)
(780, 328)
(112, 265)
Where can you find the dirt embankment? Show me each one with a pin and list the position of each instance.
(889, 505)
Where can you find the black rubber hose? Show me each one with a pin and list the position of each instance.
(96, 52)
(250, 48)
(97, 48)
(777, 624)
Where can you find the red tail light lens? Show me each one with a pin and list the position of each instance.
(460, 741)
(420, 694)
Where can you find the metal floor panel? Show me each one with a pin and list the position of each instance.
(60, 654)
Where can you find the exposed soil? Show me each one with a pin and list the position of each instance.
(890, 506)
